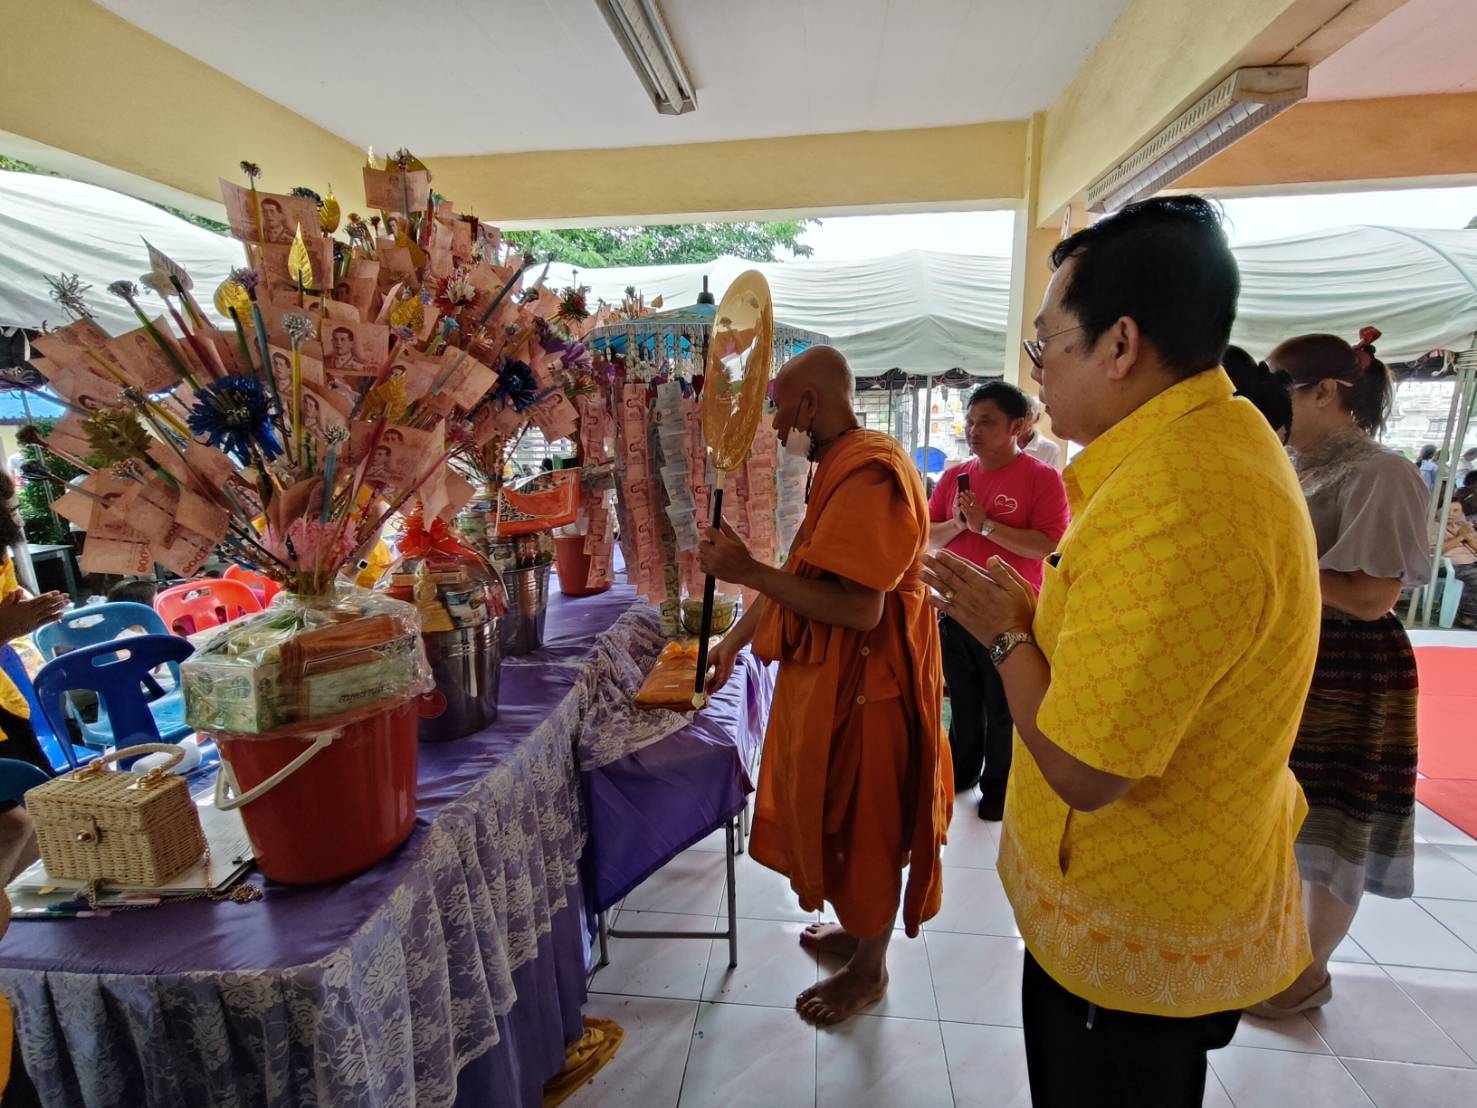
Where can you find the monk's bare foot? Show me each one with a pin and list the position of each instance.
(829, 938)
(839, 997)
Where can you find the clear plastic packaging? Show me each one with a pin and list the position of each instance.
(451, 592)
(320, 660)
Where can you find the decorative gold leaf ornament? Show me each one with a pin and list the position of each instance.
(299, 262)
(328, 213)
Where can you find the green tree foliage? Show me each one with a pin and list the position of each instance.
(599, 247)
(15, 165)
(41, 524)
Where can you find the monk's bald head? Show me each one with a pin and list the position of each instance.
(813, 392)
(820, 367)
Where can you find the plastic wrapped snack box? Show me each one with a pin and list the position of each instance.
(306, 659)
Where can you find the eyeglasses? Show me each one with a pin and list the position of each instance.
(1035, 348)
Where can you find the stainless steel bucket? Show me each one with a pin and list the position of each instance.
(528, 605)
(465, 664)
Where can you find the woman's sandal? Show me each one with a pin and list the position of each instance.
(1320, 996)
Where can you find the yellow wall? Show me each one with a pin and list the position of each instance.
(79, 80)
(943, 166)
(1360, 141)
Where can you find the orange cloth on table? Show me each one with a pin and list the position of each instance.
(856, 777)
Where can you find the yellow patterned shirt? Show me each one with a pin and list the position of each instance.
(1181, 624)
(11, 698)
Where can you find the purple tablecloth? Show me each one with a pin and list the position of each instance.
(647, 808)
(451, 973)
(466, 948)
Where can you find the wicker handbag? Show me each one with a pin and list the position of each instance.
(129, 829)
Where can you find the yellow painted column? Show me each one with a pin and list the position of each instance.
(1030, 271)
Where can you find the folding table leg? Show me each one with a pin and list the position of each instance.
(743, 841)
(604, 938)
(732, 897)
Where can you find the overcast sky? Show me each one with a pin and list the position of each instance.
(1250, 220)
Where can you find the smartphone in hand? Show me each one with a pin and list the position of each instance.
(964, 482)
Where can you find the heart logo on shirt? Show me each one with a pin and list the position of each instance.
(1006, 504)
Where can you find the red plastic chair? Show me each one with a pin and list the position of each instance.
(209, 602)
(264, 587)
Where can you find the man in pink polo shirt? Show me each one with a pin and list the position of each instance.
(1000, 502)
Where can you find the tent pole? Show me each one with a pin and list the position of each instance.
(22, 552)
(1452, 442)
(912, 420)
(927, 429)
(1433, 507)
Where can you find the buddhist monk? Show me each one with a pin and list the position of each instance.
(856, 779)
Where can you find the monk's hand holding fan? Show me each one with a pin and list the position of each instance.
(735, 383)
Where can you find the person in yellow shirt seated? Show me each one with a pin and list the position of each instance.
(1157, 683)
(20, 614)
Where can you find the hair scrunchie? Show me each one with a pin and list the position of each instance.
(1364, 348)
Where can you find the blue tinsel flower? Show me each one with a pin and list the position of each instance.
(516, 386)
(233, 413)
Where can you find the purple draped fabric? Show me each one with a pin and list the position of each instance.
(647, 808)
(642, 810)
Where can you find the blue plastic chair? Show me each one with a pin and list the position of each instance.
(16, 777)
(12, 666)
(1452, 587)
(100, 623)
(120, 672)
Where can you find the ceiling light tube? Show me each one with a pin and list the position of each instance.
(641, 30)
(1235, 107)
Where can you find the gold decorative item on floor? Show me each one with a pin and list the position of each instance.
(583, 1059)
(131, 829)
(740, 356)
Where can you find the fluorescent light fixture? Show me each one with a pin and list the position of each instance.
(1235, 107)
(642, 32)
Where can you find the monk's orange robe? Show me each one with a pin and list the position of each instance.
(856, 778)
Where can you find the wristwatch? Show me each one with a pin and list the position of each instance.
(1002, 645)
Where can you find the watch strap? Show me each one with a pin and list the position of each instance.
(1001, 646)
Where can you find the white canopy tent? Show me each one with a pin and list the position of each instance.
(921, 311)
(50, 225)
(1419, 287)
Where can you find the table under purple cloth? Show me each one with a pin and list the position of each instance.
(648, 807)
(451, 973)
(462, 953)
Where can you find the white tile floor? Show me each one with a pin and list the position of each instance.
(1400, 1033)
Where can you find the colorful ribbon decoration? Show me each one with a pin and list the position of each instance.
(418, 540)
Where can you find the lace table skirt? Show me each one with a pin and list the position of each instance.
(391, 1014)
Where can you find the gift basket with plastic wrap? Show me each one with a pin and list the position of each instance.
(461, 604)
(314, 705)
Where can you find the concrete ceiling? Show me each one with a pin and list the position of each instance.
(499, 76)
(1423, 47)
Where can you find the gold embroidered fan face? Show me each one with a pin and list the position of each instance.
(740, 357)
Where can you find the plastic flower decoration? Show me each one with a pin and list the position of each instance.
(516, 386)
(574, 304)
(235, 416)
(68, 290)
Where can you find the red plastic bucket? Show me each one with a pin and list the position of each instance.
(573, 565)
(348, 802)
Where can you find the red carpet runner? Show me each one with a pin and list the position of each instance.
(1448, 730)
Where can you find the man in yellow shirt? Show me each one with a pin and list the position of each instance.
(1157, 683)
